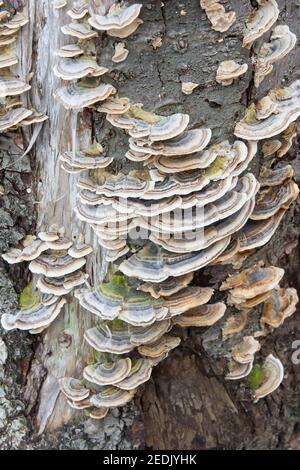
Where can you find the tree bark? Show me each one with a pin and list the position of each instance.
(187, 404)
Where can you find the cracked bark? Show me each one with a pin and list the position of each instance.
(187, 404)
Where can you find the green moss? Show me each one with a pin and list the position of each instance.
(250, 114)
(256, 377)
(29, 297)
(217, 167)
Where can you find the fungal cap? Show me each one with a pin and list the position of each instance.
(274, 373)
(205, 315)
(73, 389)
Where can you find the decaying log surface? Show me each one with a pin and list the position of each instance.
(187, 404)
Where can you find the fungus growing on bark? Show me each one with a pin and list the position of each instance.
(118, 300)
(272, 199)
(252, 286)
(257, 233)
(188, 87)
(269, 177)
(260, 21)
(111, 397)
(220, 20)
(281, 43)
(154, 264)
(265, 107)
(56, 265)
(78, 67)
(273, 376)
(86, 159)
(228, 71)
(121, 53)
(160, 347)
(115, 106)
(192, 141)
(277, 308)
(270, 147)
(84, 93)
(244, 352)
(111, 337)
(13, 117)
(235, 324)
(11, 86)
(79, 9)
(120, 21)
(202, 316)
(287, 111)
(203, 239)
(169, 287)
(238, 371)
(80, 31)
(108, 373)
(70, 51)
(62, 285)
(73, 389)
(140, 373)
(58, 4)
(38, 316)
(141, 124)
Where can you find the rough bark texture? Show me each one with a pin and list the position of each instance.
(187, 404)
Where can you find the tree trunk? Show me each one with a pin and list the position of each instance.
(187, 404)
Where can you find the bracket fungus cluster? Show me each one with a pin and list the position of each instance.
(253, 287)
(281, 43)
(12, 112)
(59, 264)
(220, 20)
(132, 334)
(188, 203)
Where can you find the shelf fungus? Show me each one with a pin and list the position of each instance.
(269, 177)
(33, 318)
(160, 347)
(84, 93)
(69, 51)
(287, 111)
(120, 54)
(220, 20)
(252, 286)
(228, 71)
(111, 397)
(273, 376)
(277, 308)
(59, 264)
(281, 43)
(86, 159)
(154, 264)
(242, 358)
(188, 87)
(169, 287)
(202, 316)
(120, 21)
(73, 389)
(80, 31)
(118, 300)
(260, 21)
(79, 9)
(192, 141)
(78, 67)
(206, 238)
(271, 200)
